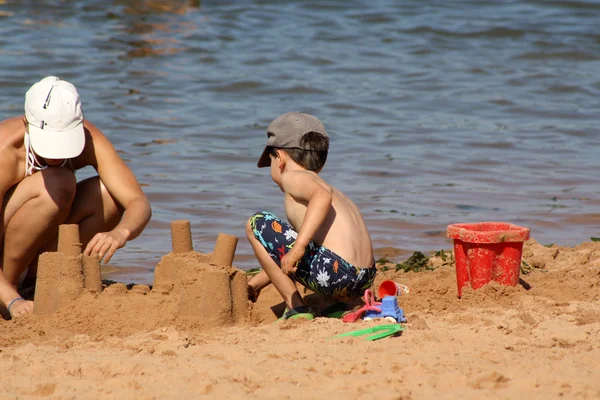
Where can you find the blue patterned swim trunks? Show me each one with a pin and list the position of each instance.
(320, 270)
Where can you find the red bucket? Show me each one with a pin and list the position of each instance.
(487, 251)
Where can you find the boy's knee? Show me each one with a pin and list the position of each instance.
(250, 228)
(251, 224)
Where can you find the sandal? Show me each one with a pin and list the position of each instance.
(337, 310)
(304, 312)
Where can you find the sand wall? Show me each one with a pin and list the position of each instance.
(204, 286)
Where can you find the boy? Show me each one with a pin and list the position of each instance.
(326, 246)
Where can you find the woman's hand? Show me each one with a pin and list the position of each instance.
(105, 244)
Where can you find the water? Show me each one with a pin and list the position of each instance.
(439, 112)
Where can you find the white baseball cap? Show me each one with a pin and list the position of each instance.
(53, 111)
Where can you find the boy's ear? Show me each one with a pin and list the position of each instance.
(281, 158)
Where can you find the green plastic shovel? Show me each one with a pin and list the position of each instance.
(375, 332)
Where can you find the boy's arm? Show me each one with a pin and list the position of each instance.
(303, 187)
(125, 189)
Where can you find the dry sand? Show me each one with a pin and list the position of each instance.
(496, 342)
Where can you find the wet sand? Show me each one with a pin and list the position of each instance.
(540, 339)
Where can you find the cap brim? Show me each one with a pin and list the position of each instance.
(265, 158)
(57, 145)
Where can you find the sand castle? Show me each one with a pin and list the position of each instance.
(207, 285)
(64, 275)
(204, 285)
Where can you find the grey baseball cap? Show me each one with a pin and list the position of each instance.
(287, 130)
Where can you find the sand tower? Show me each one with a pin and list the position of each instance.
(207, 286)
(62, 276)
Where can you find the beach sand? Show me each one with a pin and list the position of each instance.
(540, 339)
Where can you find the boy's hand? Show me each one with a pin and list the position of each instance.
(289, 262)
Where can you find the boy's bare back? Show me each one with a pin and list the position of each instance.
(344, 231)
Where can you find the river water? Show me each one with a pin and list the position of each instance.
(439, 112)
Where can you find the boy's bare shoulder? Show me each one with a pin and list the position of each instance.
(292, 178)
(302, 178)
(299, 173)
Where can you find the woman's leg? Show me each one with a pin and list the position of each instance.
(32, 214)
(94, 209)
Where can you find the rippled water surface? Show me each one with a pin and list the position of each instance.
(439, 112)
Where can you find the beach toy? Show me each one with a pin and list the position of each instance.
(390, 309)
(370, 304)
(372, 314)
(391, 288)
(487, 251)
(375, 332)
